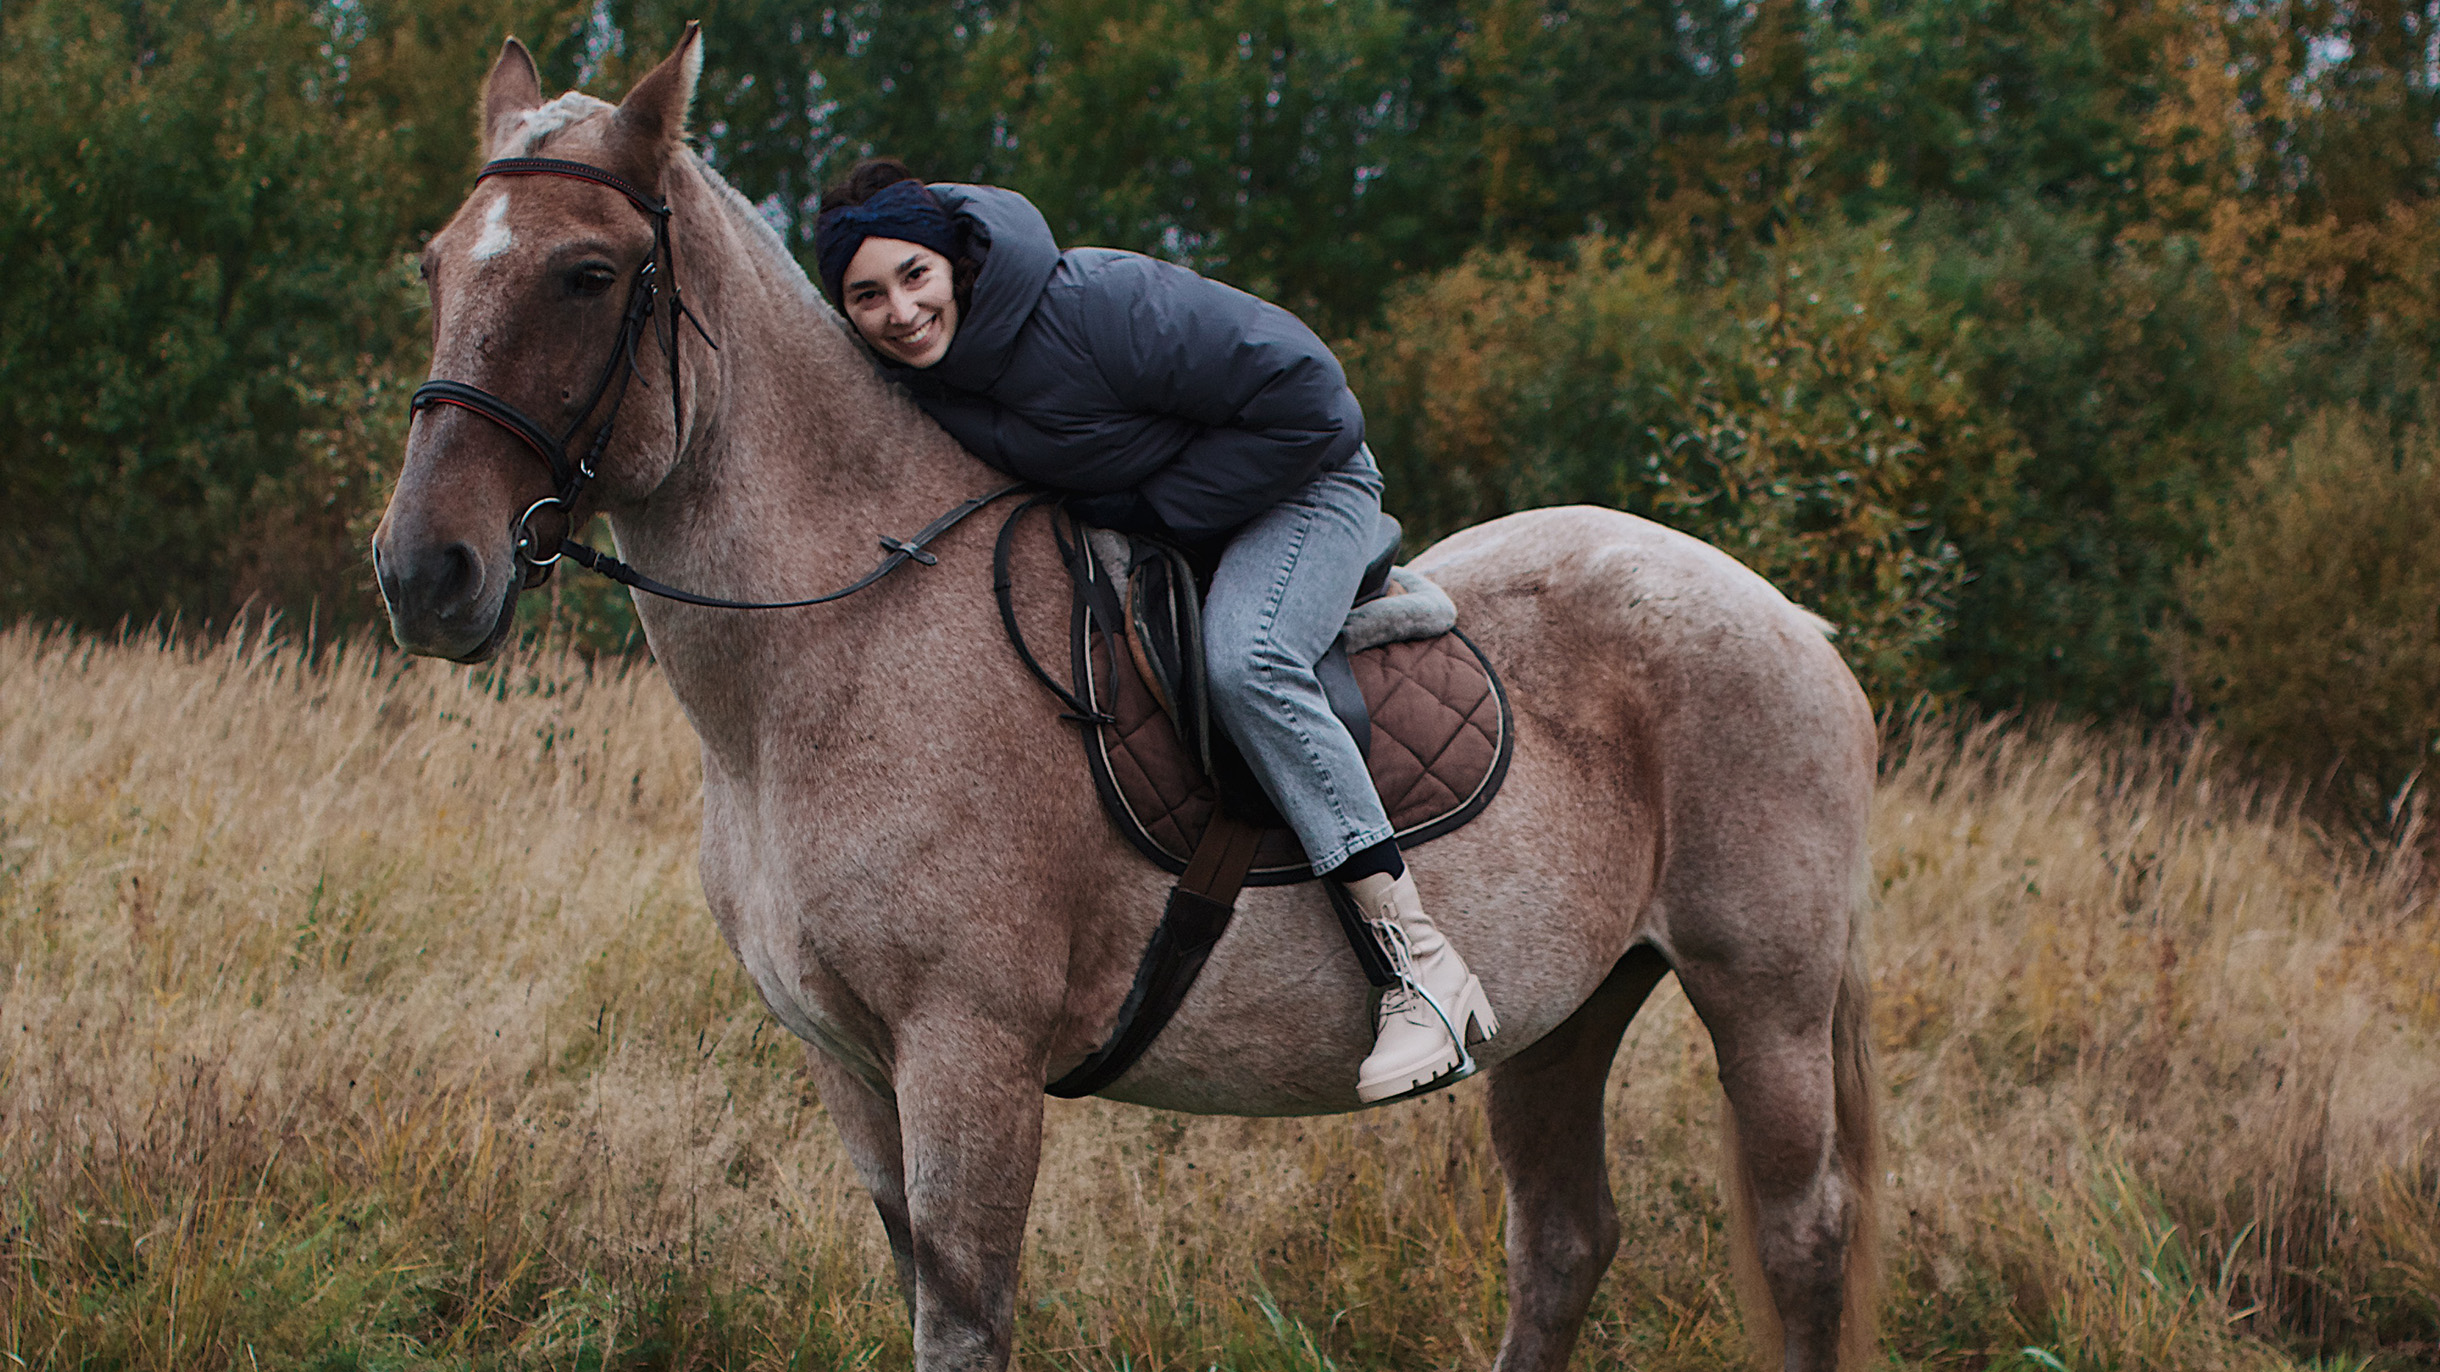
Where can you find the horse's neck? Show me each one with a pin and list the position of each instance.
(800, 460)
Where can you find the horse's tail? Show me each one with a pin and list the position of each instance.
(1858, 1109)
(1855, 1111)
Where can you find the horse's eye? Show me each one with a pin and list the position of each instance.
(592, 278)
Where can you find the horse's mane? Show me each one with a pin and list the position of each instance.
(765, 240)
(536, 125)
(884, 414)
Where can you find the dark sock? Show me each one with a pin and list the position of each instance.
(1381, 859)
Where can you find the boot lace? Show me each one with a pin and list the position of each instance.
(1410, 988)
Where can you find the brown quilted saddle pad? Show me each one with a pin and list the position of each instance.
(1441, 737)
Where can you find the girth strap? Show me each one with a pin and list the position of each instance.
(1199, 910)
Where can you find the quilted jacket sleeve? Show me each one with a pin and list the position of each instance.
(1270, 400)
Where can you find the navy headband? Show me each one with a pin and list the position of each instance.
(902, 209)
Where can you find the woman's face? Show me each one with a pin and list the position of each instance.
(898, 296)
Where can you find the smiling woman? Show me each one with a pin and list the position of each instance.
(895, 263)
(901, 301)
(879, 204)
(898, 294)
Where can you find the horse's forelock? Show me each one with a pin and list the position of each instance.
(535, 126)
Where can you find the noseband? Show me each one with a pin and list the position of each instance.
(568, 478)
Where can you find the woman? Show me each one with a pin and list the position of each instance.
(1187, 410)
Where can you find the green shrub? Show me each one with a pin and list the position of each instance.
(1985, 446)
(2313, 627)
(2135, 388)
(1803, 415)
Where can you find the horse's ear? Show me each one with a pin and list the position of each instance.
(514, 87)
(654, 113)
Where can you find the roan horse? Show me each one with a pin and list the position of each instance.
(948, 932)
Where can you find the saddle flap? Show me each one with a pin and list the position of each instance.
(1437, 761)
(1165, 634)
(1163, 628)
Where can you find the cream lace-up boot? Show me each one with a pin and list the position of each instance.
(1437, 1007)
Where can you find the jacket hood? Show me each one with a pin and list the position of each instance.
(1020, 257)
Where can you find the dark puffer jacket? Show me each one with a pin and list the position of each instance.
(1193, 405)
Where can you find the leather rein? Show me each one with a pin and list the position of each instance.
(569, 478)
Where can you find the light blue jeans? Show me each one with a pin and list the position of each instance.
(1277, 603)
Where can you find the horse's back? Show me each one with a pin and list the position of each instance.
(1667, 700)
(1635, 596)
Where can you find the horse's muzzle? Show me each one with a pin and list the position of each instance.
(441, 601)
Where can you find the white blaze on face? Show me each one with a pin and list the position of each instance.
(495, 239)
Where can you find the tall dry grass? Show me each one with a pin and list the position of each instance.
(364, 1013)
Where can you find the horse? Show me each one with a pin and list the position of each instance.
(948, 931)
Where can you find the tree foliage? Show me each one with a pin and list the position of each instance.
(196, 294)
(209, 331)
(1809, 416)
(1958, 316)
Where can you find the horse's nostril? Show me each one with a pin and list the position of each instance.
(455, 575)
(432, 580)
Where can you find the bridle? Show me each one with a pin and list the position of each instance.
(568, 478)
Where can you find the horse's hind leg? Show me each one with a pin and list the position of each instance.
(1546, 1124)
(1790, 1038)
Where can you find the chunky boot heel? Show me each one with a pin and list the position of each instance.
(1474, 1009)
(1437, 1008)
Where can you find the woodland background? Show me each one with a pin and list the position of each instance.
(2069, 356)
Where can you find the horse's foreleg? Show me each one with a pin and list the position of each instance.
(867, 1121)
(1546, 1108)
(970, 1106)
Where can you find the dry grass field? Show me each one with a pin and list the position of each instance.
(364, 1014)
